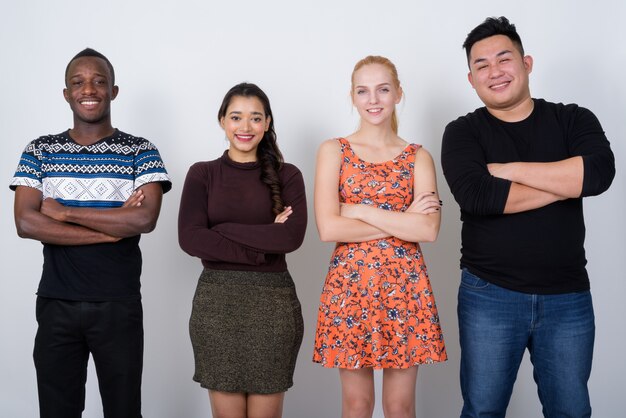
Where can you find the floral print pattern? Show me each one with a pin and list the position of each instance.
(377, 308)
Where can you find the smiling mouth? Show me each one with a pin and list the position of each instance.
(89, 103)
(500, 86)
(245, 138)
(375, 111)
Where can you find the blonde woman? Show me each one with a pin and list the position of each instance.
(376, 196)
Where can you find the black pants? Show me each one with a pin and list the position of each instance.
(68, 332)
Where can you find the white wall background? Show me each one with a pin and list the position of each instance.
(174, 61)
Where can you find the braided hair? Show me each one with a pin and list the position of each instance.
(268, 154)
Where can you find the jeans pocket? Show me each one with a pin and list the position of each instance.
(471, 281)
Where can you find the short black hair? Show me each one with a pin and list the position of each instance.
(88, 52)
(490, 27)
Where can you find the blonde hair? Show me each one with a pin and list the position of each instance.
(377, 59)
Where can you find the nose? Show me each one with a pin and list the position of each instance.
(373, 98)
(245, 125)
(495, 71)
(88, 88)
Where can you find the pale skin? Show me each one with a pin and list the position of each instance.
(375, 95)
(357, 390)
(245, 123)
(500, 75)
(337, 222)
(48, 221)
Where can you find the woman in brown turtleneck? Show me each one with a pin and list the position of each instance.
(240, 214)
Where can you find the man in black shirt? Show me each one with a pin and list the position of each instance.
(518, 169)
(87, 194)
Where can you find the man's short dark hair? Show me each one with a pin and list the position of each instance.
(490, 27)
(88, 52)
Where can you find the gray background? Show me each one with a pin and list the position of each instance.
(174, 62)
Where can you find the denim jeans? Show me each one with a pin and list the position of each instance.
(497, 325)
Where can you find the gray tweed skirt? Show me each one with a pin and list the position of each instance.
(246, 328)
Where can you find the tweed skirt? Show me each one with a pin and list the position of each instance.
(246, 328)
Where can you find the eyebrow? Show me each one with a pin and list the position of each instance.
(499, 54)
(239, 112)
(81, 75)
(378, 85)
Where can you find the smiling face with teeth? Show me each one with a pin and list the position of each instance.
(499, 74)
(244, 123)
(89, 91)
(375, 94)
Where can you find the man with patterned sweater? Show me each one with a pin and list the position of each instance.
(88, 194)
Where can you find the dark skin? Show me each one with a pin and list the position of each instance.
(89, 93)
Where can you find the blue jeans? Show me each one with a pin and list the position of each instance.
(497, 325)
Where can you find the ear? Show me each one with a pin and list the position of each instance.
(267, 123)
(400, 95)
(66, 95)
(528, 63)
(470, 79)
(114, 92)
(222, 122)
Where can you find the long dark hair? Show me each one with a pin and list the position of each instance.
(267, 152)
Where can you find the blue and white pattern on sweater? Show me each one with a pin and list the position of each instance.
(103, 174)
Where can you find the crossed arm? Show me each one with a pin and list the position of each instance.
(337, 222)
(285, 234)
(535, 185)
(586, 167)
(50, 222)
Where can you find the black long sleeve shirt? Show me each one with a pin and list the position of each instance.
(537, 251)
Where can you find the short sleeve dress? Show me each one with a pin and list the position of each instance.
(377, 307)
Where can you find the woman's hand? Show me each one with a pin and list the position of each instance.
(282, 217)
(425, 203)
(351, 210)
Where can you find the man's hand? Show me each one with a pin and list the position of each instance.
(135, 199)
(501, 170)
(53, 209)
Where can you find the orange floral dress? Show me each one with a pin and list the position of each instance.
(377, 308)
